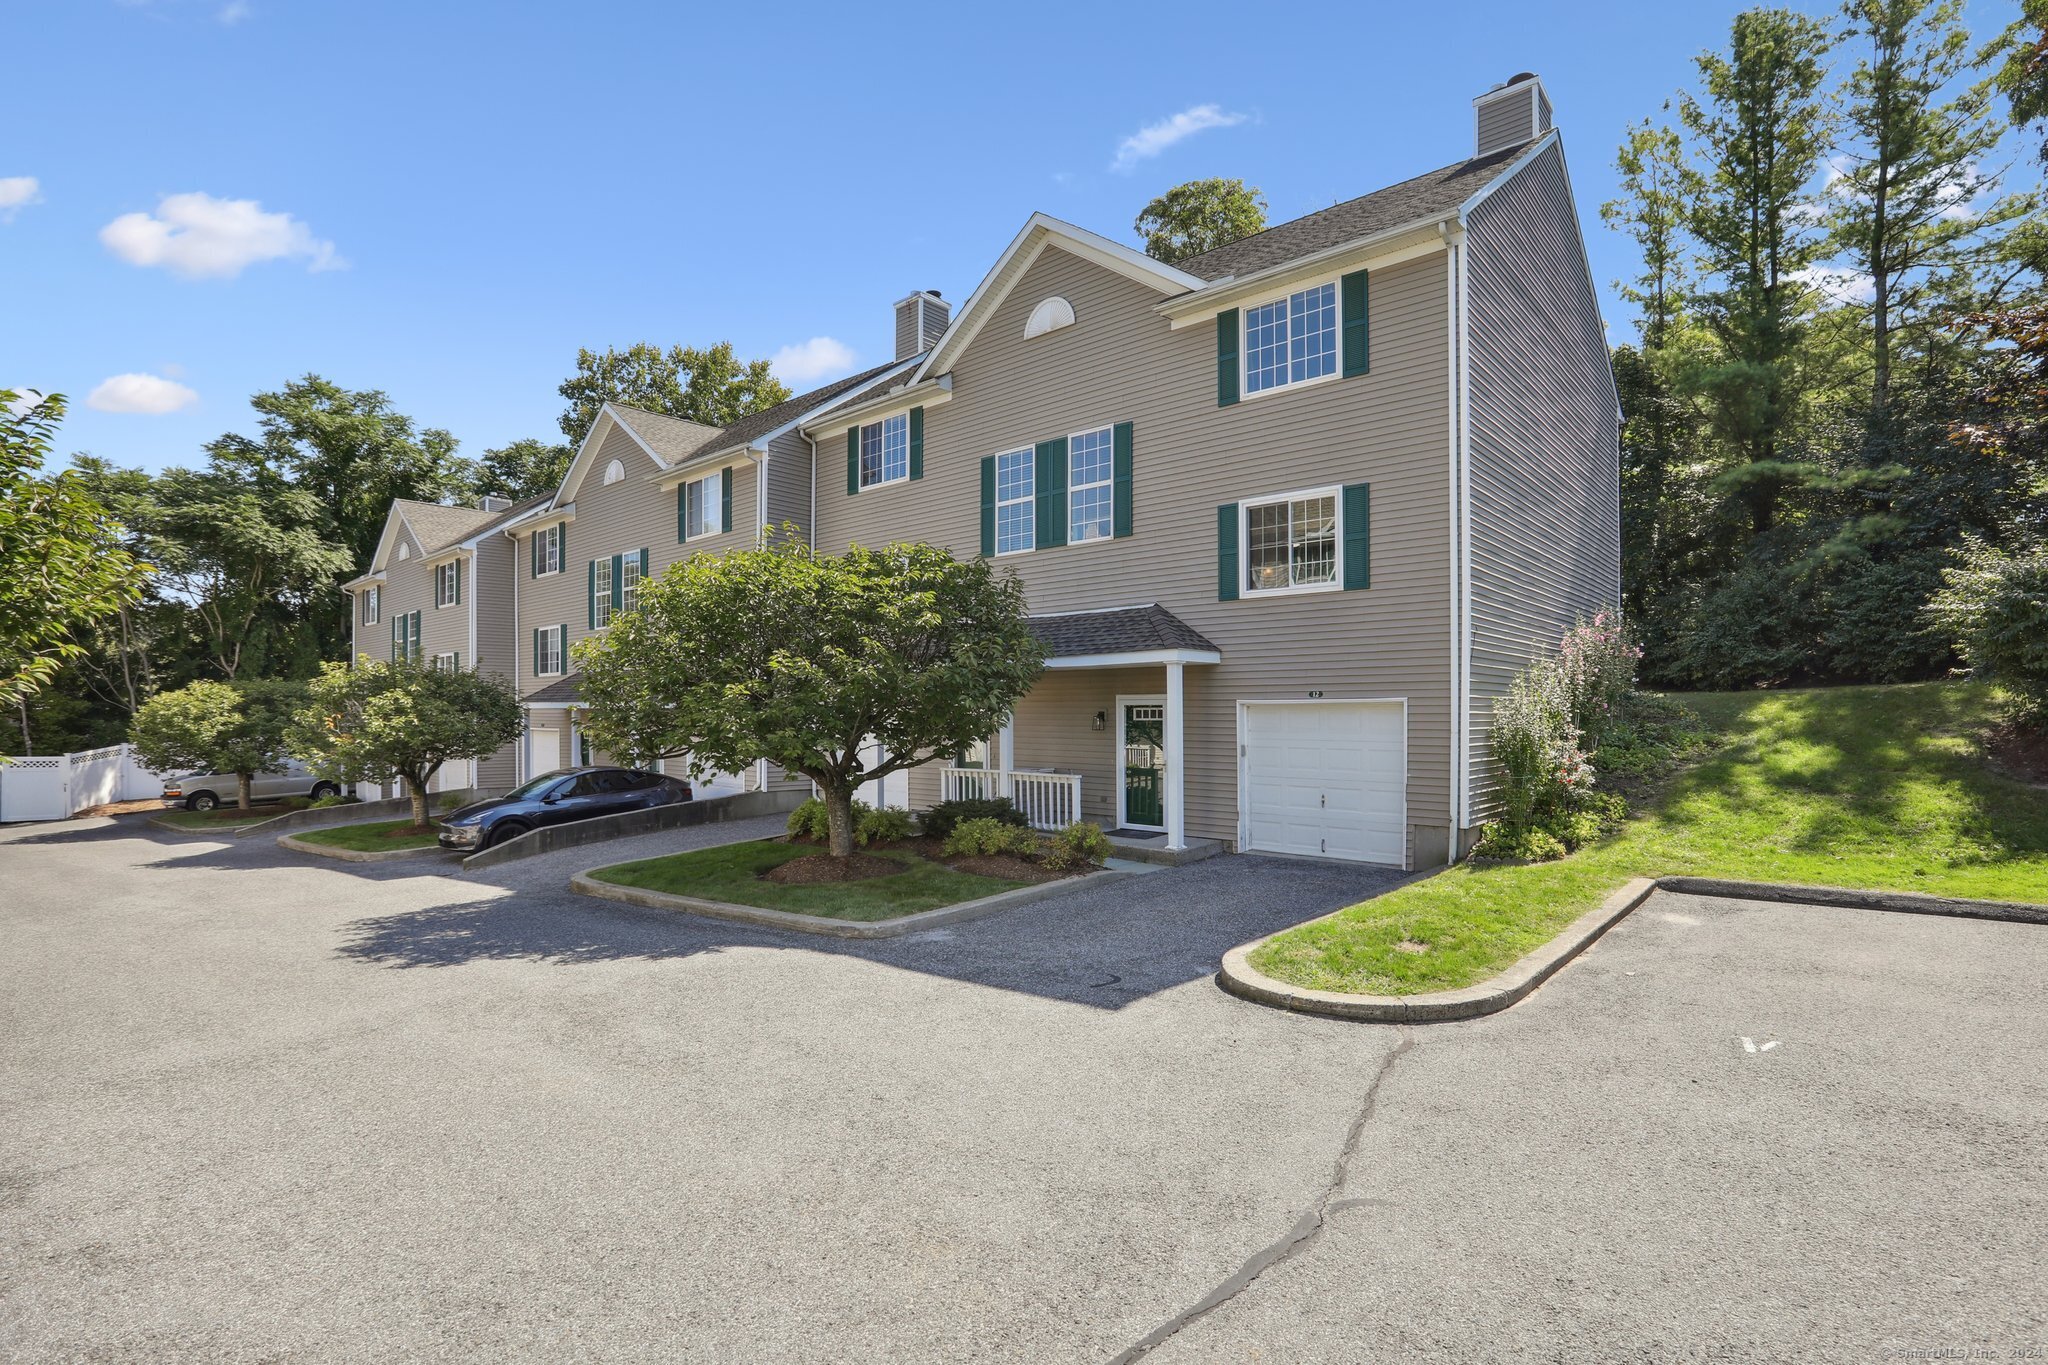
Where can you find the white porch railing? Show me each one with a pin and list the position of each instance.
(1050, 801)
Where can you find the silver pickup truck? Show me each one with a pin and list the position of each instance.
(208, 791)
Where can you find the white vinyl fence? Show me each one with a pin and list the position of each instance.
(56, 786)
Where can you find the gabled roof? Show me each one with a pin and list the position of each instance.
(671, 439)
(569, 689)
(436, 526)
(758, 427)
(1039, 230)
(1124, 630)
(507, 516)
(1426, 196)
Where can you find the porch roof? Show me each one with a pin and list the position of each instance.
(562, 690)
(1121, 636)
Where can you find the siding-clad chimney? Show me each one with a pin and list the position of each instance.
(493, 503)
(920, 320)
(1512, 113)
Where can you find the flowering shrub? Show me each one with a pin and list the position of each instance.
(1596, 671)
(1533, 740)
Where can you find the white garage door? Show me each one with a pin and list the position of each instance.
(543, 750)
(1326, 779)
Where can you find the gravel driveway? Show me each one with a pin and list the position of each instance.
(254, 1107)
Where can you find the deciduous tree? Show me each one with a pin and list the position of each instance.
(1199, 216)
(712, 386)
(217, 728)
(402, 718)
(808, 659)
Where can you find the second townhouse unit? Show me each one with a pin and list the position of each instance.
(1289, 514)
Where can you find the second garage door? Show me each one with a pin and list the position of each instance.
(1327, 779)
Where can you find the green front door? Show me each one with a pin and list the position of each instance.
(1144, 763)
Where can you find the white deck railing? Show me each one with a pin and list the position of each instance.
(1050, 801)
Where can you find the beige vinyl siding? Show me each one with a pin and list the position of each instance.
(488, 583)
(789, 482)
(615, 519)
(1505, 122)
(1545, 439)
(1121, 362)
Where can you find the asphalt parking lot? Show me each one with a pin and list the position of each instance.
(256, 1107)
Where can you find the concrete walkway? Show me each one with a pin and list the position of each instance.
(255, 1108)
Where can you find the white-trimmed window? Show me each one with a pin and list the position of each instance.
(448, 663)
(629, 581)
(448, 584)
(601, 591)
(1292, 543)
(885, 451)
(1291, 340)
(1091, 490)
(704, 505)
(547, 551)
(1016, 514)
(551, 648)
(373, 604)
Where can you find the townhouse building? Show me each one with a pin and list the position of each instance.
(1289, 514)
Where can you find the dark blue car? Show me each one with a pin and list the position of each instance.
(556, 798)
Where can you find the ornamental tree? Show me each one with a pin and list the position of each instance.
(402, 718)
(217, 727)
(803, 658)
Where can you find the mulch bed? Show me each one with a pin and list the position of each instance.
(1006, 866)
(2018, 753)
(822, 869)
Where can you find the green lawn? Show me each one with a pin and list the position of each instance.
(1870, 787)
(368, 838)
(732, 873)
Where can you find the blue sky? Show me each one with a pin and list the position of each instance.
(445, 200)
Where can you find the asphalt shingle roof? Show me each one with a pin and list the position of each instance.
(438, 526)
(1425, 196)
(1123, 631)
(569, 689)
(761, 423)
(671, 438)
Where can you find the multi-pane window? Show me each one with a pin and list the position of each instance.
(547, 550)
(629, 580)
(373, 604)
(552, 647)
(601, 591)
(1016, 527)
(885, 451)
(703, 506)
(1291, 340)
(448, 583)
(1291, 543)
(447, 663)
(1091, 496)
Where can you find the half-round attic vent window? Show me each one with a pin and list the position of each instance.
(614, 471)
(1049, 316)
(405, 552)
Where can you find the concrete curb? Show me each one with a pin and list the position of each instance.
(1241, 979)
(585, 885)
(350, 855)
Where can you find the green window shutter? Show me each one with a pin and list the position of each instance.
(725, 499)
(852, 461)
(988, 507)
(1120, 496)
(458, 661)
(397, 628)
(1357, 354)
(643, 563)
(458, 582)
(1226, 552)
(562, 647)
(683, 512)
(618, 578)
(590, 594)
(1226, 357)
(561, 534)
(1357, 535)
(533, 557)
(536, 651)
(917, 443)
(1050, 481)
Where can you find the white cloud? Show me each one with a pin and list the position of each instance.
(141, 393)
(17, 192)
(1155, 138)
(810, 361)
(201, 237)
(1838, 286)
(233, 12)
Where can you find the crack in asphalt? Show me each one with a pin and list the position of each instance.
(1305, 1231)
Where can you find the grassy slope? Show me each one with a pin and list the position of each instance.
(229, 816)
(732, 873)
(370, 838)
(1873, 787)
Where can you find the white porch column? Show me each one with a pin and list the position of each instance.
(1176, 784)
(1006, 756)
